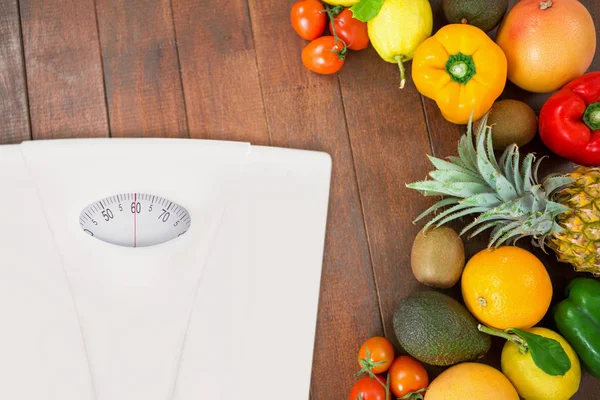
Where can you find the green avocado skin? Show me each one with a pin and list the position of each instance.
(484, 14)
(578, 320)
(438, 330)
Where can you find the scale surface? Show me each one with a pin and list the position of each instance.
(159, 269)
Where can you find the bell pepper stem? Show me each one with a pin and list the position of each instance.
(521, 344)
(400, 61)
(592, 116)
(461, 68)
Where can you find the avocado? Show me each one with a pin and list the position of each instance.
(438, 330)
(484, 14)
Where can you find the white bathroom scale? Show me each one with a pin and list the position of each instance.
(159, 269)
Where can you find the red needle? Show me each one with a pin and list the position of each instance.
(134, 219)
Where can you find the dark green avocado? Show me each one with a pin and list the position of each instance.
(438, 330)
(484, 14)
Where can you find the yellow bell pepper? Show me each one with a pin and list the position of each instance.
(462, 69)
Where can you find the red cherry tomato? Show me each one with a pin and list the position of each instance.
(324, 55)
(309, 19)
(368, 389)
(407, 375)
(381, 354)
(351, 30)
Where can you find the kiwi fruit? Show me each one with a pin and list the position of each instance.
(512, 121)
(484, 14)
(438, 257)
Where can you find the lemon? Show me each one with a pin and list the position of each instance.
(399, 28)
(345, 3)
(531, 382)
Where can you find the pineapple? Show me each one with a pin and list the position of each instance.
(505, 195)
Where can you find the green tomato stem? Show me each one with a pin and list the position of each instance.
(505, 335)
(592, 116)
(400, 61)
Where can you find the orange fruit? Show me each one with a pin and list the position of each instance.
(506, 288)
(547, 43)
(471, 381)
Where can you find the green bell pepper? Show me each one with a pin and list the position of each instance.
(578, 320)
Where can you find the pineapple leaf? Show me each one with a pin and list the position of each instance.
(449, 176)
(481, 219)
(445, 213)
(457, 189)
(488, 200)
(536, 167)
(471, 148)
(515, 233)
(486, 169)
(470, 210)
(458, 161)
(555, 209)
(500, 231)
(490, 148)
(484, 227)
(451, 165)
(539, 198)
(517, 179)
(504, 188)
(508, 164)
(526, 172)
(553, 183)
(437, 206)
(463, 152)
(502, 160)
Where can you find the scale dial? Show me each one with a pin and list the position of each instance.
(135, 220)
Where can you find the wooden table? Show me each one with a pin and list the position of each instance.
(232, 70)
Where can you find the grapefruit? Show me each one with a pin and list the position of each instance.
(471, 381)
(547, 43)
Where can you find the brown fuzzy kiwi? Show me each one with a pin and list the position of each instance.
(438, 257)
(512, 121)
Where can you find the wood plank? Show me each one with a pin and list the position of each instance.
(141, 68)
(64, 72)
(14, 113)
(389, 141)
(220, 76)
(445, 136)
(305, 110)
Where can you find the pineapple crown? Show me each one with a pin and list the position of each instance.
(505, 193)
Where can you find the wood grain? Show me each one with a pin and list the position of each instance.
(141, 69)
(64, 74)
(445, 136)
(305, 110)
(389, 140)
(14, 113)
(220, 76)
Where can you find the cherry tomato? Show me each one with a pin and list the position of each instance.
(368, 389)
(351, 30)
(407, 375)
(324, 55)
(381, 354)
(309, 19)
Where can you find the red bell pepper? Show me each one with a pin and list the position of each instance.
(570, 121)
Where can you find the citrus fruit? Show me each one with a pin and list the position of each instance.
(471, 381)
(345, 3)
(531, 382)
(399, 28)
(547, 43)
(506, 288)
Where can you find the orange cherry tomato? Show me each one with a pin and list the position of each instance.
(324, 55)
(351, 30)
(381, 355)
(309, 19)
(407, 375)
(368, 389)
